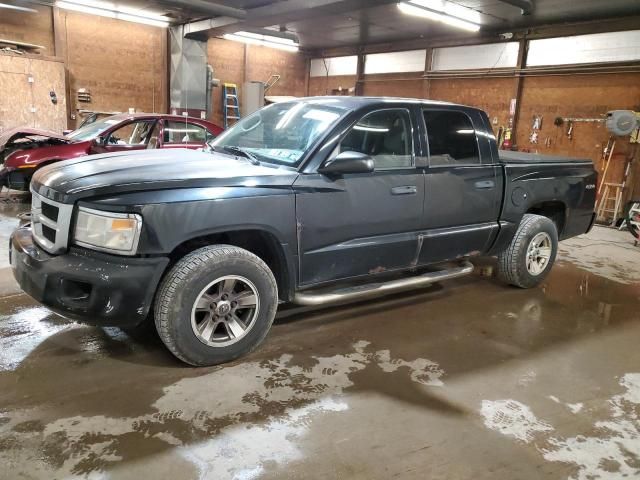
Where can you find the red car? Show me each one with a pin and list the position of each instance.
(24, 150)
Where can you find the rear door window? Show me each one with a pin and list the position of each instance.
(452, 138)
(184, 132)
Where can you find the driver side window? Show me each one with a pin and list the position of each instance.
(134, 133)
(385, 136)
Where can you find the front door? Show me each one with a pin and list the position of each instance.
(128, 137)
(463, 189)
(365, 223)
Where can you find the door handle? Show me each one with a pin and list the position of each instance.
(485, 184)
(404, 190)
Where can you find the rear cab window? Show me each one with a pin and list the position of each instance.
(451, 138)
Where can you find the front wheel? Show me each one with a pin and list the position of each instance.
(530, 256)
(215, 305)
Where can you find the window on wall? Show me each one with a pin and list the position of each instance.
(493, 55)
(451, 137)
(385, 136)
(410, 61)
(597, 47)
(332, 66)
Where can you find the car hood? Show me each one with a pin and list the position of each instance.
(144, 170)
(14, 134)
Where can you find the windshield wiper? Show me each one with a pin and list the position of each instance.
(238, 150)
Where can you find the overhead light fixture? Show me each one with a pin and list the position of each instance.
(111, 10)
(9, 6)
(443, 11)
(265, 40)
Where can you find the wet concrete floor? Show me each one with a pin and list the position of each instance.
(465, 380)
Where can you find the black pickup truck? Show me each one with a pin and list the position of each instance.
(313, 201)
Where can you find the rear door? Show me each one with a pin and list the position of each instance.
(463, 185)
(184, 134)
(364, 223)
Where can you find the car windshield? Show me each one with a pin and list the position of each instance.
(93, 130)
(280, 133)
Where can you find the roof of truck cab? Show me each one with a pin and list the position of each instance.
(351, 102)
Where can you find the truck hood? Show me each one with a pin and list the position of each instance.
(145, 170)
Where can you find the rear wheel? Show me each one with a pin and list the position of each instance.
(531, 253)
(215, 305)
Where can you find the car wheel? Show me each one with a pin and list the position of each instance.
(531, 254)
(215, 305)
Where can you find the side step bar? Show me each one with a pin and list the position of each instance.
(372, 290)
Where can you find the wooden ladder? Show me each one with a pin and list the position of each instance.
(612, 193)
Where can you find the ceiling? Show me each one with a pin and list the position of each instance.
(321, 24)
(387, 23)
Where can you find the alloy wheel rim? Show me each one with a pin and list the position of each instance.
(225, 311)
(538, 253)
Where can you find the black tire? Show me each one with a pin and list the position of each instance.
(512, 263)
(181, 287)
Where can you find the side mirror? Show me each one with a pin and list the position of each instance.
(348, 162)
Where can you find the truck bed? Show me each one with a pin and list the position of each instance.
(507, 156)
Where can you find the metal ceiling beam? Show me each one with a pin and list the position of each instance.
(210, 8)
(17, 7)
(282, 12)
(525, 6)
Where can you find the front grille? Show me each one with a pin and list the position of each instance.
(50, 222)
(50, 211)
(49, 233)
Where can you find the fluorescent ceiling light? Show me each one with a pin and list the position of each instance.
(111, 10)
(251, 38)
(444, 12)
(8, 6)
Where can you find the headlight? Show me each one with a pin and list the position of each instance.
(106, 231)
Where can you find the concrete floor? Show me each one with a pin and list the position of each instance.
(466, 380)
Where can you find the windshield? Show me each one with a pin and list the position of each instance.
(93, 130)
(280, 133)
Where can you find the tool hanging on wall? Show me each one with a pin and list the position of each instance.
(537, 122)
(500, 137)
(535, 127)
(570, 129)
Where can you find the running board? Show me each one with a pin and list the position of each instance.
(371, 290)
